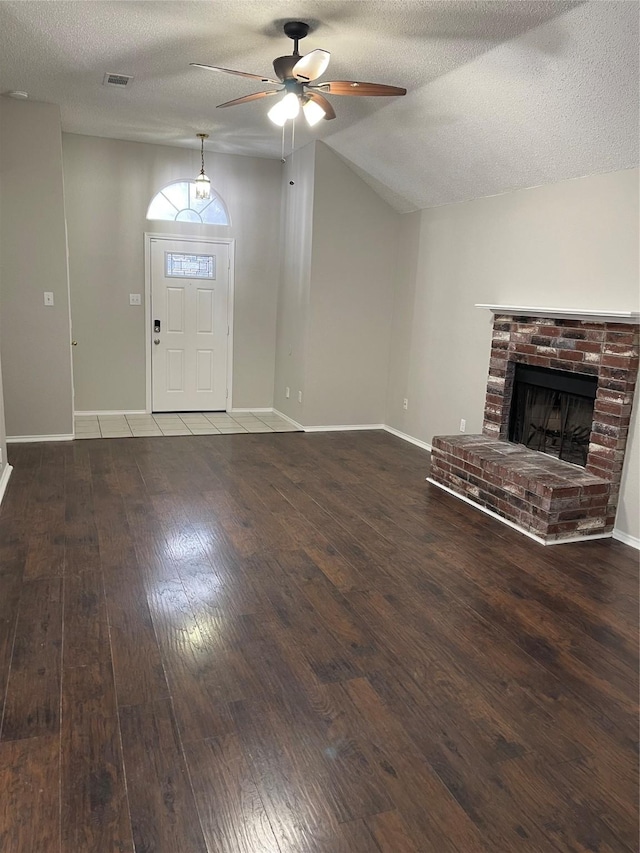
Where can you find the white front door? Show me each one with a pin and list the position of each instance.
(189, 325)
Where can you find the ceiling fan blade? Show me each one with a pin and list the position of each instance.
(237, 73)
(311, 66)
(352, 87)
(253, 97)
(329, 112)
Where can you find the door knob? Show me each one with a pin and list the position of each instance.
(156, 341)
(74, 343)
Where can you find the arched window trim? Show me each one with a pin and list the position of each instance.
(215, 197)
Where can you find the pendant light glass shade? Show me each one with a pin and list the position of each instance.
(202, 182)
(288, 107)
(313, 112)
(203, 187)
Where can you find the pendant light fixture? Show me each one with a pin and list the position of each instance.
(203, 184)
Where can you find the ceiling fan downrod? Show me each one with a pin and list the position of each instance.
(296, 30)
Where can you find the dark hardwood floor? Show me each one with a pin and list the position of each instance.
(263, 643)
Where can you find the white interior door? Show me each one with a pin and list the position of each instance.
(189, 317)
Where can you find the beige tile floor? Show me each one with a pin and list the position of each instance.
(186, 423)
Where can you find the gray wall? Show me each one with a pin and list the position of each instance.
(35, 340)
(568, 245)
(339, 242)
(295, 280)
(353, 261)
(3, 432)
(109, 184)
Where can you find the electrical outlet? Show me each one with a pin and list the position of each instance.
(405, 403)
(48, 297)
(299, 396)
(287, 392)
(463, 425)
(135, 299)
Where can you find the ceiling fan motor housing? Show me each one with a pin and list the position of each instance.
(283, 66)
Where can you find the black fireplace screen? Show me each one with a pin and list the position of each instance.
(552, 411)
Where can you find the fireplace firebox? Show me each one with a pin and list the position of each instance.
(552, 412)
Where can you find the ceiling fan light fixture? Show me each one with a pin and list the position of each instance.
(297, 75)
(311, 66)
(313, 112)
(202, 182)
(287, 108)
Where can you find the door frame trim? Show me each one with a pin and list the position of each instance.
(187, 238)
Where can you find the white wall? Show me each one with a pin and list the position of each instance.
(36, 360)
(109, 184)
(567, 245)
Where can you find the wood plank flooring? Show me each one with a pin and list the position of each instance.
(291, 643)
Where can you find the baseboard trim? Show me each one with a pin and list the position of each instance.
(287, 419)
(4, 480)
(25, 439)
(106, 412)
(406, 437)
(626, 538)
(515, 526)
(342, 427)
(244, 411)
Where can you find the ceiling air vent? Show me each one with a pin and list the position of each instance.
(118, 80)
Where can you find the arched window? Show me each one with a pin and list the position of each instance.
(177, 202)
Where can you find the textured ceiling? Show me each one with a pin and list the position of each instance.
(501, 94)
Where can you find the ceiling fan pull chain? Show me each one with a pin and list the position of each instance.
(282, 160)
(293, 138)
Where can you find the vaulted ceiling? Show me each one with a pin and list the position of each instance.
(500, 94)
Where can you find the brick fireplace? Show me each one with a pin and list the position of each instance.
(550, 499)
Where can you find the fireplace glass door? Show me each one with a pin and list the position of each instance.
(552, 411)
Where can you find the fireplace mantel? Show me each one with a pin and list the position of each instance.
(583, 314)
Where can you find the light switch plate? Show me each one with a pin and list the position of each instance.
(48, 297)
(135, 299)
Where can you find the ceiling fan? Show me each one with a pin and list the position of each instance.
(296, 74)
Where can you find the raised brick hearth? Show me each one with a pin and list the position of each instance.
(549, 498)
